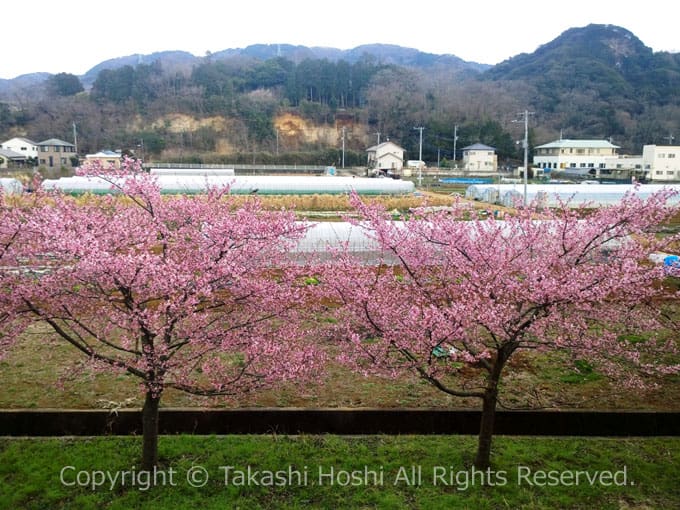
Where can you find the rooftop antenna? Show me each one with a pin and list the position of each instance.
(378, 134)
(670, 138)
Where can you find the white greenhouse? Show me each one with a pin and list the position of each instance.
(11, 186)
(263, 185)
(550, 195)
(192, 171)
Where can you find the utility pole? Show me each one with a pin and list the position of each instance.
(670, 138)
(75, 137)
(420, 156)
(525, 144)
(378, 134)
(455, 139)
(343, 146)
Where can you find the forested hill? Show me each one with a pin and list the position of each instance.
(598, 78)
(292, 103)
(606, 59)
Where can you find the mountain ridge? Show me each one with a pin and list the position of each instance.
(597, 81)
(387, 53)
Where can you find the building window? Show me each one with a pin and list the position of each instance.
(658, 172)
(671, 156)
(670, 172)
(661, 155)
(572, 165)
(602, 165)
(582, 165)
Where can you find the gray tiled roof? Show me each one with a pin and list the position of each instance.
(55, 141)
(478, 147)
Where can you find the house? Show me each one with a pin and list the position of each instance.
(386, 156)
(20, 145)
(11, 159)
(55, 153)
(661, 162)
(574, 156)
(480, 158)
(108, 159)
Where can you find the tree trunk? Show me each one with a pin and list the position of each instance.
(150, 431)
(483, 457)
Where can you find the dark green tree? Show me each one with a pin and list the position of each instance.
(63, 85)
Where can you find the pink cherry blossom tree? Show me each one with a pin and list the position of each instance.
(184, 292)
(10, 232)
(448, 295)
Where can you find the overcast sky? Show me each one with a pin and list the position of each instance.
(73, 36)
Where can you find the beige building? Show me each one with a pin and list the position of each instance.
(107, 159)
(480, 158)
(55, 153)
(386, 157)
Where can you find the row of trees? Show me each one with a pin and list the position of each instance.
(195, 294)
(338, 84)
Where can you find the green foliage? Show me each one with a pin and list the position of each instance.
(581, 372)
(489, 132)
(126, 83)
(633, 338)
(154, 142)
(63, 84)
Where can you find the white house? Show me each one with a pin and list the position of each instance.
(386, 156)
(480, 158)
(20, 145)
(574, 155)
(661, 162)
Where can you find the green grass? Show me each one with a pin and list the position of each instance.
(30, 473)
